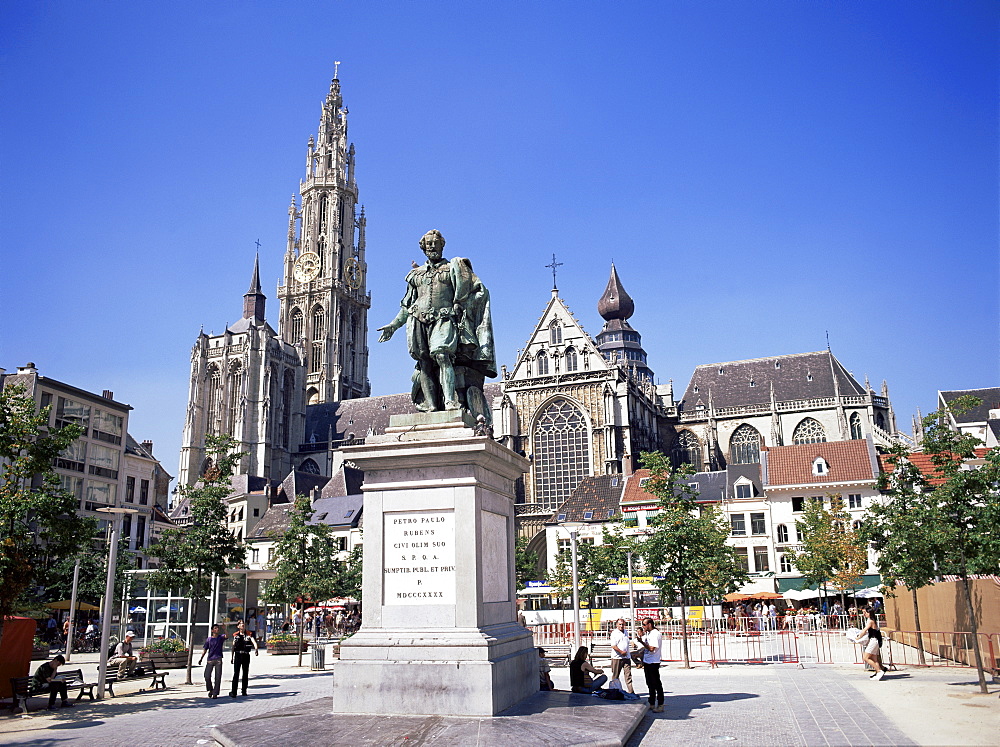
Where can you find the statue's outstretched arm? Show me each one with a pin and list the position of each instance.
(392, 326)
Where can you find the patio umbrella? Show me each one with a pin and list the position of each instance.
(66, 604)
(736, 597)
(766, 595)
(868, 593)
(137, 610)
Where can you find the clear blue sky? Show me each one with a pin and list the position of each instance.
(759, 172)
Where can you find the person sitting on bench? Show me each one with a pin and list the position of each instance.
(123, 656)
(45, 681)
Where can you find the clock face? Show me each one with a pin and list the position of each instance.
(306, 267)
(352, 273)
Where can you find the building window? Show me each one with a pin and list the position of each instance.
(880, 420)
(144, 492)
(744, 491)
(555, 333)
(782, 534)
(74, 457)
(319, 323)
(785, 564)
(68, 411)
(316, 359)
(285, 424)
(798, 503)
(798, 532)
(254, 555)
(738, 525)
(820, 467)
(256, 512)
(757, 524)
(744, 446)
(741, 558)
(855, 422)
(100, 494)
(140, 533)
(107, 427)
(129, 489)
(760, 559)
(543, 363)
(214, 386)
(854, 500)
(104, 461)
(74, 485)
(297, 325)
(687, 450)
(571, 360)
(270, 554)
(561, 452)
(309, 466)
(809, 431)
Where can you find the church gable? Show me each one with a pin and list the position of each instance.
(558, 345)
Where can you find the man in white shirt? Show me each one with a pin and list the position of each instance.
(652, 642)
(620, 661)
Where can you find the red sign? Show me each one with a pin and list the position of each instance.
(653, 614)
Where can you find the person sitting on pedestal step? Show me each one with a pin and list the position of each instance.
(581, 673)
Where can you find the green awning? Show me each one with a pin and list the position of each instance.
(786, 584)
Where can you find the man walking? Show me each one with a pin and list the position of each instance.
(213, 647)
(620, 661)
(242, 642)
(652, 642)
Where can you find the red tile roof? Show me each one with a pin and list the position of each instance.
(922, 461)
(633, 493)
(849, 461)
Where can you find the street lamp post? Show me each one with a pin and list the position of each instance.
(109, 592)
(573, 526)
(631, 594)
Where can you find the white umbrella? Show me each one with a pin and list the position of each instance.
(868, 593)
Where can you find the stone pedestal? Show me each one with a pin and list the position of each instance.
(440, 633)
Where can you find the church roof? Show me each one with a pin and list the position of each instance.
(246, 323)
(794, 377)
(364, 415)
(298, 483)
(347, 481)
(990, 401)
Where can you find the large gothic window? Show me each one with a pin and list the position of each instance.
(316, 358)
(214, 387)
(571, 360)
(744, 446)
(855, 422)
(319, 323)
(285, 424)
(880, 420)
(809, 431)
(543, 363)
(687, 450)
(555, 333)
(297, 324)
(235, 389)
(309, 466)
(561, 452)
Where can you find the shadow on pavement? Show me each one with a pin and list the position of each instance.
(676, 707)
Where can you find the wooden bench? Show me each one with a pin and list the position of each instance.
(21, 688)
(149, 670)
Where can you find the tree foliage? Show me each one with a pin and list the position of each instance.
(37, 515)
(190, 555)
(686, 545)
(56, 571)
(832, 551)
(525, 563)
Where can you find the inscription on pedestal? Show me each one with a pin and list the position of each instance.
(419, 559)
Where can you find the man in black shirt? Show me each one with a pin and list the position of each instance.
(242, 642)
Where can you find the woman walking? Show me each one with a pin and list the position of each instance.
(873, 651)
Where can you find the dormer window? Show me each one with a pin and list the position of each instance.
(753, 383)
(777, 364)
(588, 515)
(721, 371)
(696, 389)
(820, 466)
(809, 376)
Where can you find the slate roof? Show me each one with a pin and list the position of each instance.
(347, 481)
(711, 487)
(849, 461)
(752, 472)
(791, 379)
(600, 494)
(364, 415)
(298, 483)
(134, 447)
(990, 401)
(330, 511)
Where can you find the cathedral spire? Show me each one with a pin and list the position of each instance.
(253, 299)
(618, 340)
(615, 303)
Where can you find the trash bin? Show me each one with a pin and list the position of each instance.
(318, 656)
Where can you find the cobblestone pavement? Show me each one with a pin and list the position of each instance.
(778, 705)
(179, 716)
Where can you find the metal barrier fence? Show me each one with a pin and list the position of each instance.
(714, 641)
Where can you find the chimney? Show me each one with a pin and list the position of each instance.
(108, 394)
(147, 445)
(27, 368)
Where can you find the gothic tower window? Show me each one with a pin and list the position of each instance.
(312, 396)
(571, 360)
(322, 213)
(288, 386)
(687, 450)
(214, 387)
(316, 358)
(319, 323)
(744, 446)
(297, 325)
(309, 466)
(543, 363)
(809, 431)
(555, 333)
(880, 420)
(235, 389)
(855, 422)
(561, 452)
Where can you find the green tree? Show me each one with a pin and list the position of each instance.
(37, 515)
(963, 509)
(525, 563)
(306, 563)
(352, 573)
(831, 551)
(56, 573)
(686, 544)
(191, 555)
(902, 532)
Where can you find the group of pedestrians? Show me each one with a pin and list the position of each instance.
(243, 643)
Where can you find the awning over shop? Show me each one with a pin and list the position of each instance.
(785, 584)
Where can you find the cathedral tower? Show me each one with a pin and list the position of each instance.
(618, 341)
(324, 302)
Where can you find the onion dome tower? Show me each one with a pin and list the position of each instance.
(618, 341)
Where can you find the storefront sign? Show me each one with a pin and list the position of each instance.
(419, 557)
